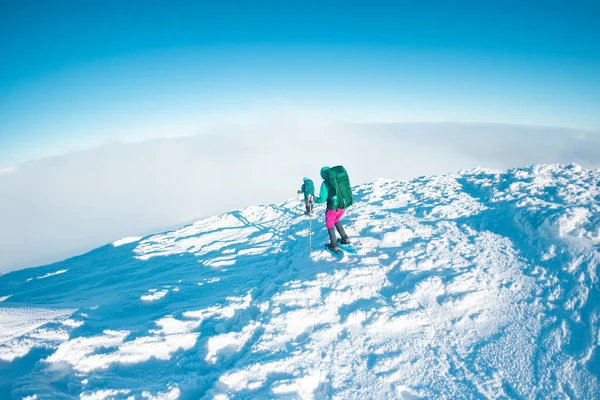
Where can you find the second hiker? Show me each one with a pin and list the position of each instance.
(308, 188)
(336, 191)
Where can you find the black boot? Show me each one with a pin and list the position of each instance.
(343, 235)
(332, 240)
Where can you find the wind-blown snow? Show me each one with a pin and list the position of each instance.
(127, 240)
(476, 284)
(22, 329)
(154, 294)
(49, 274)
(103, 394)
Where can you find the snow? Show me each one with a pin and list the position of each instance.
(127, 240)
(171, 394)
(474, 284)
(208, 281)
(102, 394)
(22, 329)
(49, 274)
(81, 353)
(154, 294)
(71, 323)
(232, 342)
(200, 238)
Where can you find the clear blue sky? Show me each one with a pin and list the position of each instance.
(77, 73)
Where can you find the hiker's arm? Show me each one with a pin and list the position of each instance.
(323, 193)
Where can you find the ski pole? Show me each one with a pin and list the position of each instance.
(310, 233)
(355, 231)
(310, 209)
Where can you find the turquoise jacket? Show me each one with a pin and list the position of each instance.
(324, 191)
(308, 188)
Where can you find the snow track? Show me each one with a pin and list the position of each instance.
(477, 284)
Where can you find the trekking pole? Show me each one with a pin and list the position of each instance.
(355, 231)
(310, 222)
(310, 233)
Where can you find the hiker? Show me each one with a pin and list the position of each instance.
(336, 191)
(308, 188)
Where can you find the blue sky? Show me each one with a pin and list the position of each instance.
(80, 73)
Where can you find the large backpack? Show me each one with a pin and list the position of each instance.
(338, 186)
(309, 187)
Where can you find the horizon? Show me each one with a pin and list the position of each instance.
(215, 130)
(76, 202)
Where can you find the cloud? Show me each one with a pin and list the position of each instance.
(6, 171)
(58, 207)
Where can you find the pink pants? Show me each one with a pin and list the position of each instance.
(332, 217)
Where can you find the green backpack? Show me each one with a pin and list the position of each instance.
(309, 187)
(338, 186)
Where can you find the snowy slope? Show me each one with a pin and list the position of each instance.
(477, 284)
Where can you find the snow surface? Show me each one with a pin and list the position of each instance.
(476, 284)
(49, 274)
(22, 329)
(154, 294)
(127, 240)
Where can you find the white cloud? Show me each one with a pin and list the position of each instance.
(58, 207)
(6, 171)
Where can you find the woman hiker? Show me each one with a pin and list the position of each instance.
(336, 192)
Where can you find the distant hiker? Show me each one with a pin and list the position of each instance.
(308, 188)
(336, 191)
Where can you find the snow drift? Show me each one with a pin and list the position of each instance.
(467, 285)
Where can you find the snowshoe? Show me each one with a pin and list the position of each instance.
(347, 247)
(336, 251)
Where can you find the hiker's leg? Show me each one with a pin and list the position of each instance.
(330, 218)
(332, 239)
(330, 223)
(343, 236)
